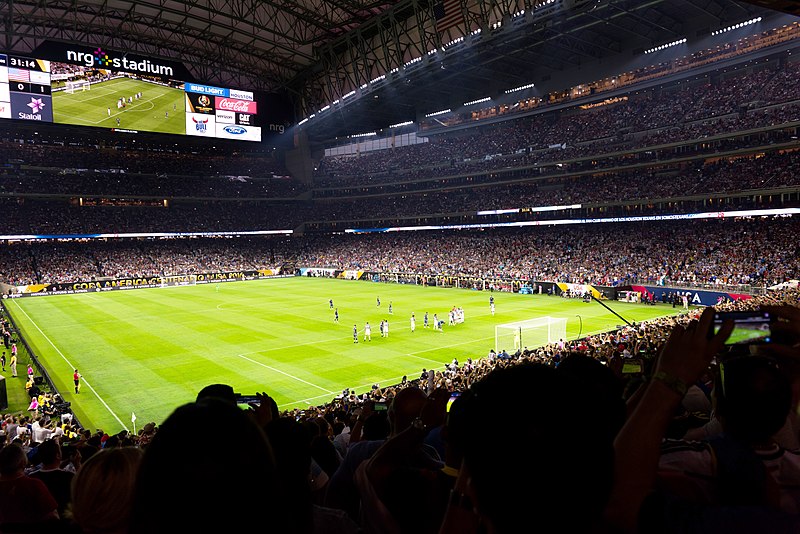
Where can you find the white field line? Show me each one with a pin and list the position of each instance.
(393, 379)
(71, 366)
(242, 356)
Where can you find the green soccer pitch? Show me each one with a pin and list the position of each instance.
(150, 350)
(161, 109)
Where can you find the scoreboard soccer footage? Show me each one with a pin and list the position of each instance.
(124, 93)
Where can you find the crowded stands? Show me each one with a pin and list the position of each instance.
(626, 458)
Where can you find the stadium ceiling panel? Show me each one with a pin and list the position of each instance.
(390, 59)
(248, 44)
(499, 45)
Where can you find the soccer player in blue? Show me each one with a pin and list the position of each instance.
(379, 302)
(355, 334)
(390, 307)
(331, 303)
(425, 321)
(336, 315)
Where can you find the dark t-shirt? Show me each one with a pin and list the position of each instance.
(25, 500)
(58, 482)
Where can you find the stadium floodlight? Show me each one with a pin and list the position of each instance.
(666, 45)
(312, 115)
(348, 95)
(302, 122)
(520, 88)
(737, 26)
(335, 102)
(497, 24)
(478, 101)
(399, 124)
(412, 61)
(379, 78)
(453, 42)
(435, 113)
(531, 333)
(475, 32)
(519, 13)
(364, 86)
(326, 108)
(781, 212)
(363, 134)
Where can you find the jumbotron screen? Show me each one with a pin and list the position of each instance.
(114, 91)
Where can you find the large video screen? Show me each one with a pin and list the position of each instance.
(114, 92)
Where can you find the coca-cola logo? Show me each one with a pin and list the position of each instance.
(239, 106)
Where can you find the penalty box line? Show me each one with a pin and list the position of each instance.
(297, 378)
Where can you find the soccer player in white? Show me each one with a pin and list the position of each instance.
(491, 307)
(386, 328)
(367, 333)
(413, 323)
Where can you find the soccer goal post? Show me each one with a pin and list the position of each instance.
(178, 280)
(72, 86)
(530, 333)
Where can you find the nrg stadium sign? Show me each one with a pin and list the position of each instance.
(99, 57)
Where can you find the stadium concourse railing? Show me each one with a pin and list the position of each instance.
(26, 355)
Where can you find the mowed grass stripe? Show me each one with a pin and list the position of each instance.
(150, 350)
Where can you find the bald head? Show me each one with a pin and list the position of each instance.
(407, 406)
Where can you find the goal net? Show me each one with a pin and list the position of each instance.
(178, 280)
(531, 333)
(73, 86)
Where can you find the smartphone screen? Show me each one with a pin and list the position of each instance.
(632, 367)
(749, 327)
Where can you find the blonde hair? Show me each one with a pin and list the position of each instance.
(102, 491)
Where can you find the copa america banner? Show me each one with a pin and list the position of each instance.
(141, 282)
(697, 297)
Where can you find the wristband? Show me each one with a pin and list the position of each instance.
(675, 384)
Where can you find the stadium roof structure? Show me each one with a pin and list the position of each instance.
(361, 65)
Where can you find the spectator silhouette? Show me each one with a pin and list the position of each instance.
(537, 451)
(291, 442)
(25, 503)
(102, 491)
(56, 479)
(213, 484)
